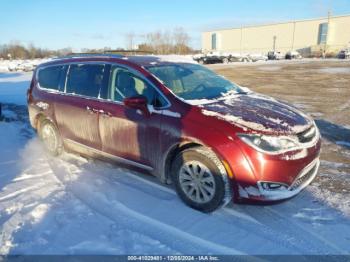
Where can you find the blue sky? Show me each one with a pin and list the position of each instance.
(99, 23)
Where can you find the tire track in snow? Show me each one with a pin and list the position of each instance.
(119, 176)
(300, 227)
(306, 229)
(224, 214)
(165, 189)
(118, 212)
(20, 192)
(19, 211)
(296, 234)
(252, 219)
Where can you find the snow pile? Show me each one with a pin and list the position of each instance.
(257, 57)
(4, 67)
(21, 65)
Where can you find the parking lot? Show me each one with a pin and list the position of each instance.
(322, 89)
(49, 204)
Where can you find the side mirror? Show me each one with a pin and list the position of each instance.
(137, 102)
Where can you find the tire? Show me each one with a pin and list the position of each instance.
(205, 188)
(225, 60)
(48, 133)
(201, 61)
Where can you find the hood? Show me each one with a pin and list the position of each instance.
(258, 113)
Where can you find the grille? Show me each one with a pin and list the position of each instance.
(303, 179)
(307, 135)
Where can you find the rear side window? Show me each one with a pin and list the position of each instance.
(87, 80)
(50, 77)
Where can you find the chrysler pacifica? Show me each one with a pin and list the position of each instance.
(214, 140)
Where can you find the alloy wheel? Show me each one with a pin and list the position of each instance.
(197, 182)
(48, 135)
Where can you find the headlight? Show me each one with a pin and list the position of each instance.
(269, 144)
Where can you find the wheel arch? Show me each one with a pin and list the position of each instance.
(230, 190)
(179, 147)
(40, 118)
(171, 155)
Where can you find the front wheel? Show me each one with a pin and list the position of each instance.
(225, 60)
(199, 181)
(48, 133)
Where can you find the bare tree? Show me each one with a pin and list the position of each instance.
(130, 38)
(153, 40)
(166, 42)
(157, 42)
(181, 40)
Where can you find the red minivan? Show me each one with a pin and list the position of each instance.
(212, 139)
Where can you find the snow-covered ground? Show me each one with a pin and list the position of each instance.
(71, 205)
(20, 64)
(14, 87)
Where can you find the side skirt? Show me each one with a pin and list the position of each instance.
(78, 147)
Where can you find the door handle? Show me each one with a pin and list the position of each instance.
(96, 111)
(92, 110)
(89, 109)
(105, 114)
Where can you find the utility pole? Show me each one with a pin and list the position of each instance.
(274, 43)
(293, 36)
(240, 43)
(328, 28)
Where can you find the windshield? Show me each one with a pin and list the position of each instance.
(192, 82)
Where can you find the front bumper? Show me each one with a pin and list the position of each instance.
(304, 178)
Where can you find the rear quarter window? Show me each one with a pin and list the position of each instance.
(49, 77)
(88, 80)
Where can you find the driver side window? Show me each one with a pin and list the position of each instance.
(124, 84)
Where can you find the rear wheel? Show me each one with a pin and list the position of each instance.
(49, 135)
(225, 60)
(199, 181)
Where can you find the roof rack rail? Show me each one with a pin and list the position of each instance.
(79, 55)
(127, 52)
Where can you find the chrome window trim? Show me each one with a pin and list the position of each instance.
(49, 90)
(79, 95)
(134, 71)
(65, 80)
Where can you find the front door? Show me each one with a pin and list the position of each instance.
(125, 132)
